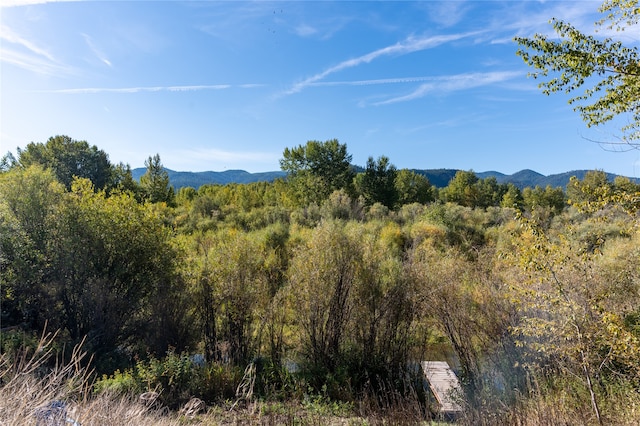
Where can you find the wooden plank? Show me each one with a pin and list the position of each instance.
(444, 384)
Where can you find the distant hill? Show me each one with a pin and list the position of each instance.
(197, 179)
(522, 179)
(438, 177)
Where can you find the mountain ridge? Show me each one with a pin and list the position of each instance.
(438, 177)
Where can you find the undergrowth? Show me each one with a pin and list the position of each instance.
(37, 386)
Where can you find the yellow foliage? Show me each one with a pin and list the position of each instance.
(392, 237)
(433, 234)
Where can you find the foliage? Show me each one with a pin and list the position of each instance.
(468, 190)
(462, 189)
(329, 303)
(572, 315)
(551, 199)
(413, 188)
(340, 205)
(317, 169)
(384, 306)
(69, 159)
(378, 182)
(512, 198)
(123, 181)
(606, 67)
(466, 304)
(155, 182)
(322, 277)
(596, 193)
(175, 377)
(87, 263)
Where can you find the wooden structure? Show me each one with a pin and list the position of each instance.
(445, 387)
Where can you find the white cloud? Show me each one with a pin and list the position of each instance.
(454, 83)
(26, 54)
(96, 51)
(527, 22)
(32, 63)
(396, 80)
(447, 13)
(304, 30)
(410, 45)
(196, 88)
(13, 3)
(8, 35)
(90, 90)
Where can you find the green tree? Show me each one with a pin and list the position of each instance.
(512, 198)
(624, 184)
(322, 277)
(608, 70)
(490, 192)
(317, 169)
(462, 189)
(378, 182)
(122, 180)
(29, 199)
(340, 205)
(69, 158)
(233, 288)
(90, 265)
(572, 304)
(595, 192)
(155, 182)
(413, 187)
(113, 269)
(384, 307)
(7, 162)
(546, 198)
(593, 188)
(273, 315)
(237, 275)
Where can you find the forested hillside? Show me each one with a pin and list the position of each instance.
(329, 283)
(437, 177)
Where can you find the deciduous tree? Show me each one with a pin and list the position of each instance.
(608, 70)
(322, 278)
(572, 309)
(317, 169)
(89, 264)
(462, 189)
(69, 158)
(413, 187)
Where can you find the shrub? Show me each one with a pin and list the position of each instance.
(176, 378)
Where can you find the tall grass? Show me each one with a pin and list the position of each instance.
(562, 401)
(37, 387)
(35, 384)
(33, 381)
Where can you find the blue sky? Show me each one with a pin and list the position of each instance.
(228, 85)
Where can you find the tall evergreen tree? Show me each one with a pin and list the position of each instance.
(378, 182)
(155, 182)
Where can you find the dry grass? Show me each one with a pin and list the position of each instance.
(30, 384)
(560, 408)
(32, 391)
